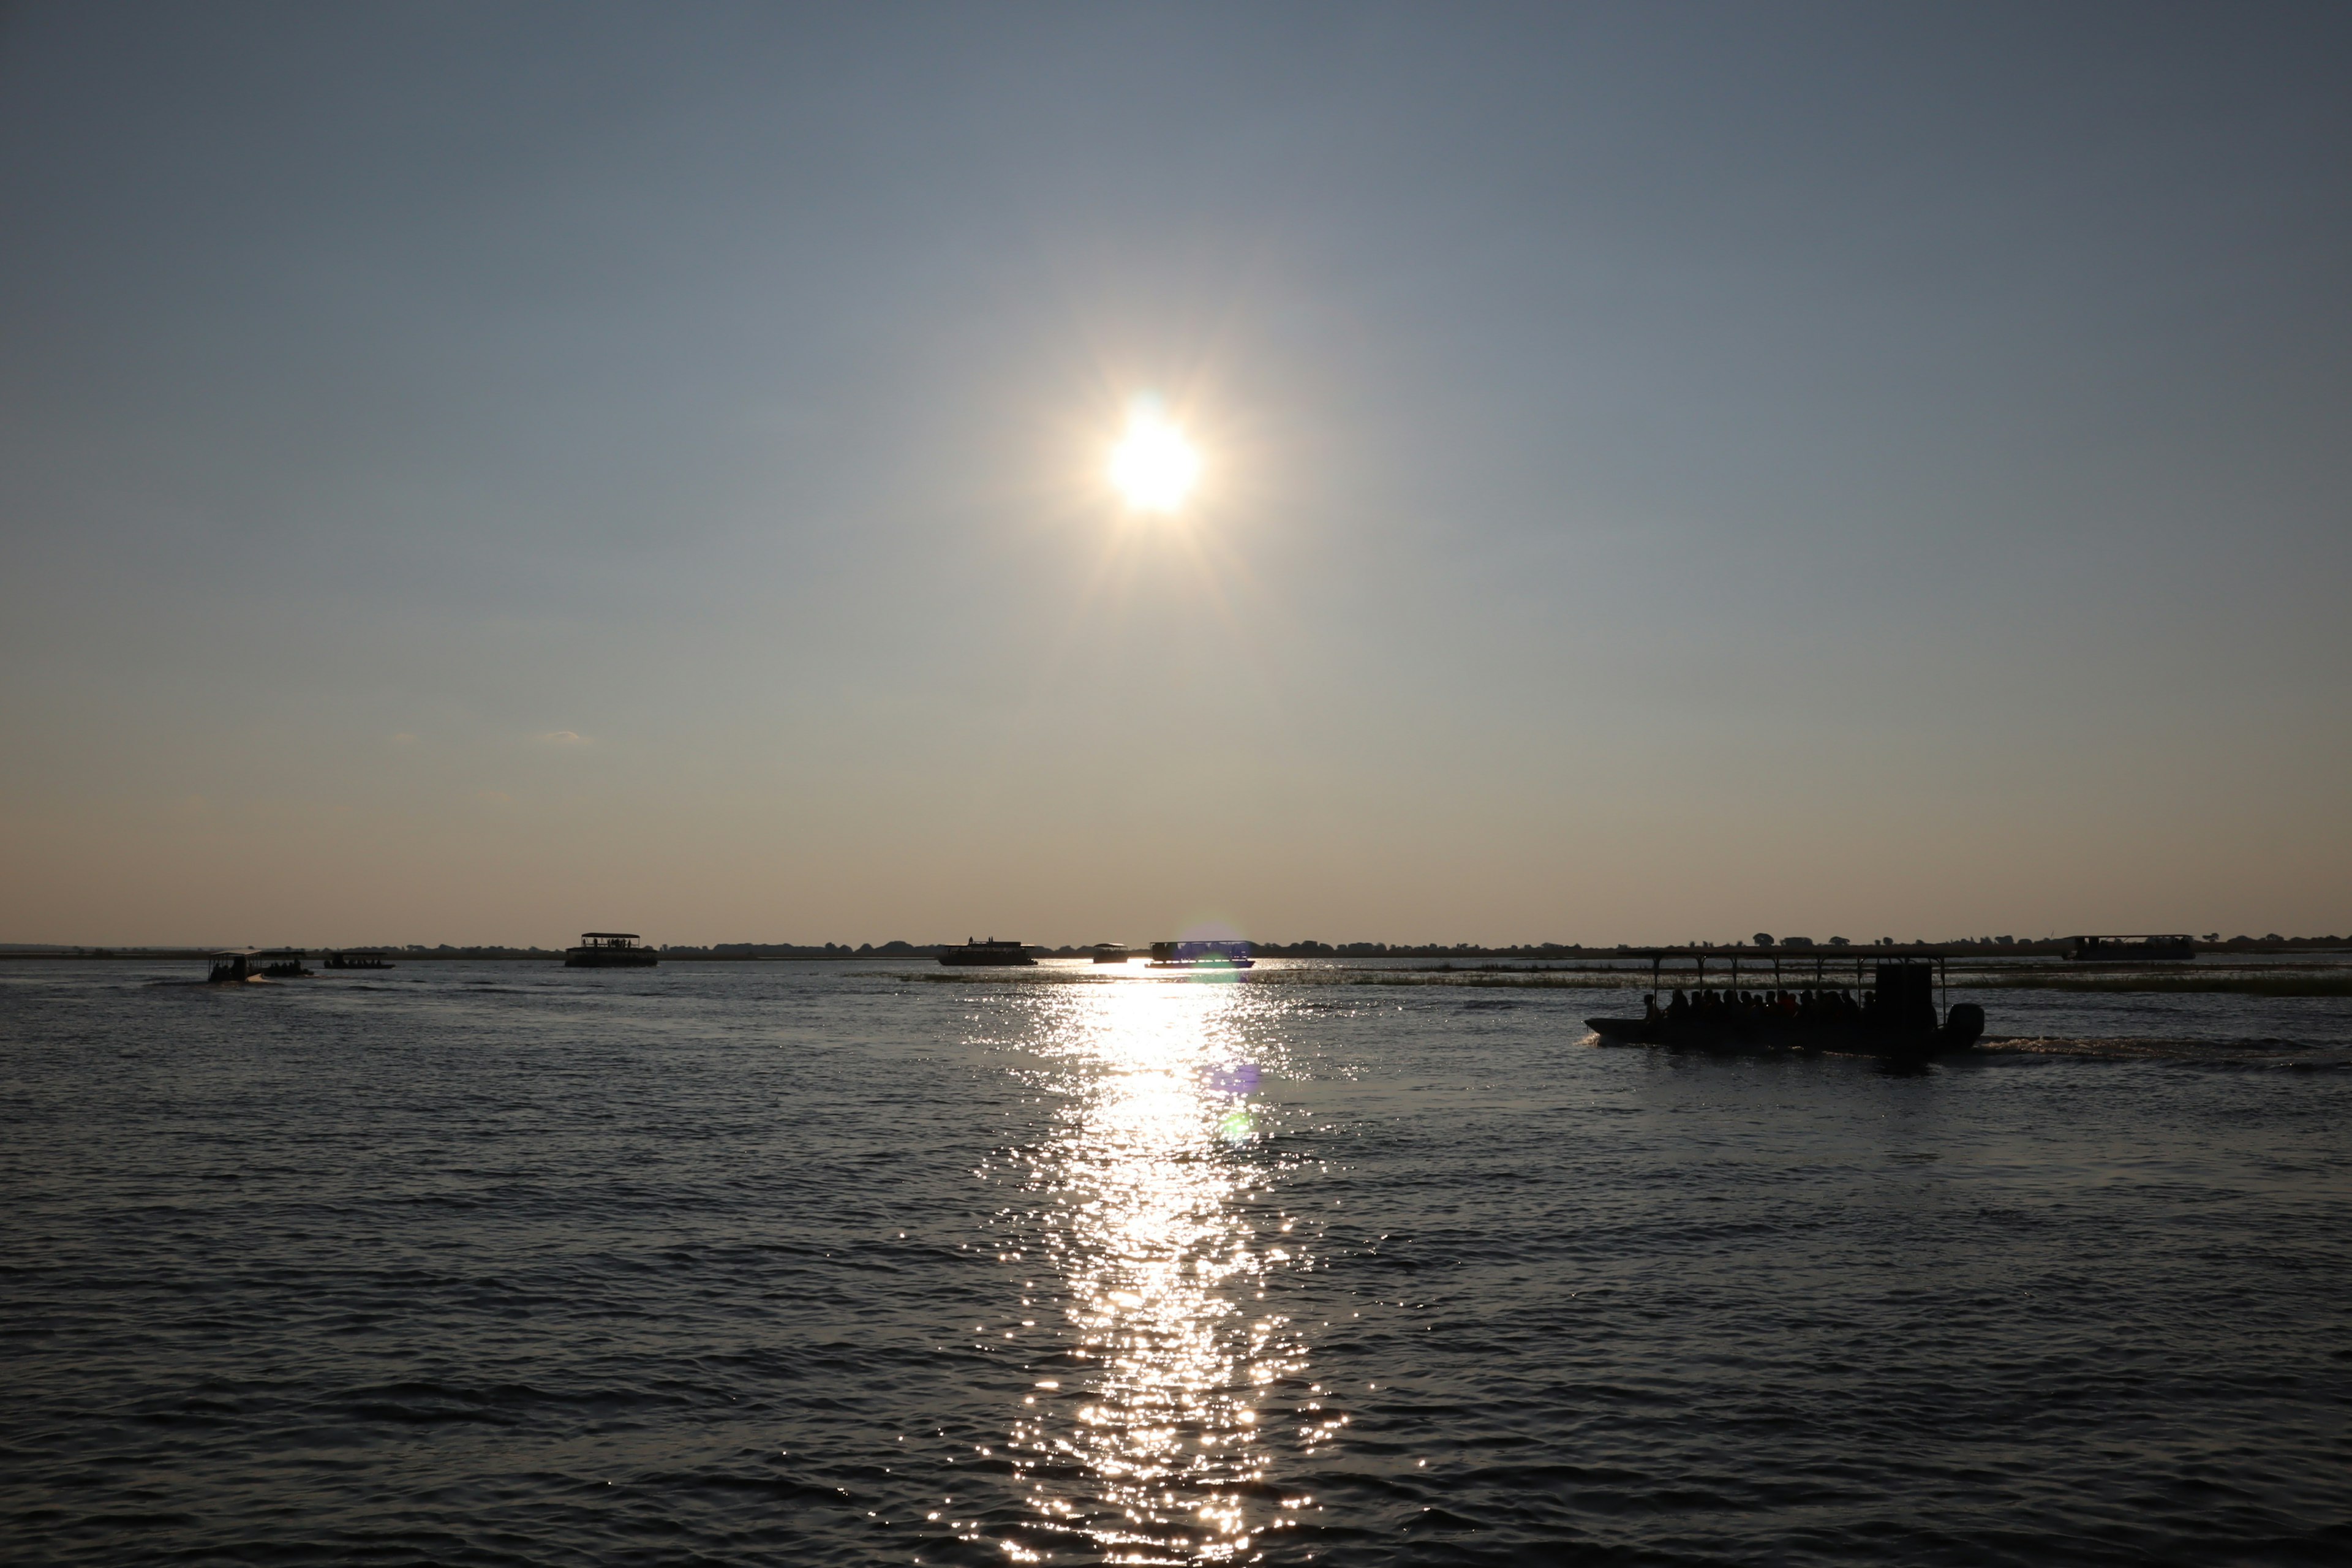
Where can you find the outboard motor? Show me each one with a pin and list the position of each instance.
(1964, 1026)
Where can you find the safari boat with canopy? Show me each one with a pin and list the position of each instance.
(609, 950)
(1896, 1016)
(236, 965)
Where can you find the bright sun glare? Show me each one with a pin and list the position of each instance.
(1153, 466)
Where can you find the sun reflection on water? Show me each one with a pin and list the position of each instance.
(1150, 1443)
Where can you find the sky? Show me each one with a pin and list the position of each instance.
(476, 473)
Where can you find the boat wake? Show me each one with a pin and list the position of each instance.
(2266, 1051)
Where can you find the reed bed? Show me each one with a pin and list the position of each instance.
(2319, 982)
(2322, 983)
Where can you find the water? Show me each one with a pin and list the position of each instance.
(830, 1264)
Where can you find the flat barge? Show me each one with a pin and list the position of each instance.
(1201, 955)
(2165, 948)
(990, 953)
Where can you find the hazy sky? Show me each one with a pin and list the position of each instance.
(473, 473)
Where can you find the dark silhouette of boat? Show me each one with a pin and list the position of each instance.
(356, 959)
(2165, 948)
(1895, 1016)
(1109, 952)
(1201, 955)
(988, 954)
(238, 964)
(609, 950)
(233, 967)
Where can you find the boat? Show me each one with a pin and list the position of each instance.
(1108, 952)
(990, 953)
(237, 965)
(2166, 949)
(609, 950)
(1893, 1018)
(356, 959)
(1201, 955)
(233, 966)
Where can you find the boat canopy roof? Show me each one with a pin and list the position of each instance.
(608, 936)
(2133, 936)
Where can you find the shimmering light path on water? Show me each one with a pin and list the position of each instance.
(506, 1264)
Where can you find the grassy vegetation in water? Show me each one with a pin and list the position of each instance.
(2337, 984)
(2321, 982)
(1515, 980)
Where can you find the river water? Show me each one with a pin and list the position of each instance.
(862, 1263)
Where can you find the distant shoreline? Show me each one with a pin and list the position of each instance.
(1547, 952)
(2310, 967)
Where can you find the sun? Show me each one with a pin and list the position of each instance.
(1153, 466)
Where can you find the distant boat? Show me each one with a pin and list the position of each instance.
(2167, 949)
(609, 950)
(356, 959)
(989, 954)
(1201, 955)
(239, 965)
(1109, 952)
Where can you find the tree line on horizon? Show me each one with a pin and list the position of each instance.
(1761, 942)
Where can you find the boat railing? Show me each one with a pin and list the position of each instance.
(608, 938)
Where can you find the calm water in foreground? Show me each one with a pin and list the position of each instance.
(810, 1264)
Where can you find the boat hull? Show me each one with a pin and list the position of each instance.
(610, 958)
(1957, 1033)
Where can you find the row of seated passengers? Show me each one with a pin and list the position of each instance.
(1797, 1007)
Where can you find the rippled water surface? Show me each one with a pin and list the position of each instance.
(833, 1264)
